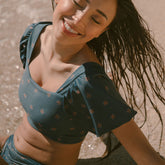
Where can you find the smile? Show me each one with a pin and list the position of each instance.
(68, 29)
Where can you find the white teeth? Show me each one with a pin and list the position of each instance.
(69, 28)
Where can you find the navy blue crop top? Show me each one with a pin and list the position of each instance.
(87, 101)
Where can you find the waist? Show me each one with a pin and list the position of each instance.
(32, 143)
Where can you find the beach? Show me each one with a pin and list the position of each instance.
(15, 16)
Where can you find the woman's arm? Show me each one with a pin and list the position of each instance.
(134, 141)
(2, 162)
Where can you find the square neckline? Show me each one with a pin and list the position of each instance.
(72, 76)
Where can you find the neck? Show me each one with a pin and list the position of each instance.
(57, 51)
(65, 52)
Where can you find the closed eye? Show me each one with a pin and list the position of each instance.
(95, 20)
(82, 7)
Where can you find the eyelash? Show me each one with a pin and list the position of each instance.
(83, 8)
(95, 21)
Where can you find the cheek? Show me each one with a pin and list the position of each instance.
(91, 36)
(94, 33)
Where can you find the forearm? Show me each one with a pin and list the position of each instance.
(162, 162)
(137, 145)
(145, 154)
(150, 158)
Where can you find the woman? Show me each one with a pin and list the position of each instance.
(65, 91)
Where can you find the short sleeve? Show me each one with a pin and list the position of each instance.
(29, 39)
(106, 107)
(23, 43)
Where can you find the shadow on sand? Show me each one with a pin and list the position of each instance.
(118, 156)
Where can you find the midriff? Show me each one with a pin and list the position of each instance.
(32, 143)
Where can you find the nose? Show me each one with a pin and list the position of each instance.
(80, 18)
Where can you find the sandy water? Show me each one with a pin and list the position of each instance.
(15, 16)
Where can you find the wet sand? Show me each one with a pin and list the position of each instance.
(15, 16)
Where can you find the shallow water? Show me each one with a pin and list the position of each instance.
(15, 15)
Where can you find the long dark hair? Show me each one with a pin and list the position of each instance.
(132, 55)
(129, 51)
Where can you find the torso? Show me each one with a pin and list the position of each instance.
(43, 149)
(29, 141)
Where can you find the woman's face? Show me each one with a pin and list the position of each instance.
(79, 21)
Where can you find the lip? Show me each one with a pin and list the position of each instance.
(66, 31)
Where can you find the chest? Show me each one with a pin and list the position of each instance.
(51, 112)
(49, 76)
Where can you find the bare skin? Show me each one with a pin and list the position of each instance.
(55, 58)
(2, 162)
(29, 141)
(36, 145)
(2, 142)
(43, 149)
(134, 141)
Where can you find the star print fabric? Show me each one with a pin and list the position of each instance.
(87, 101)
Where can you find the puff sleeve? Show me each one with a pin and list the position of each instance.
(24, 42)
(105, 105)
(29, 39)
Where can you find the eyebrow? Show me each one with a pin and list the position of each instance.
(99, 11)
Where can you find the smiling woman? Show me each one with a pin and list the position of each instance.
(79, 14)
(66, 92)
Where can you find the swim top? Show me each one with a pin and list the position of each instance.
(87, 101)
